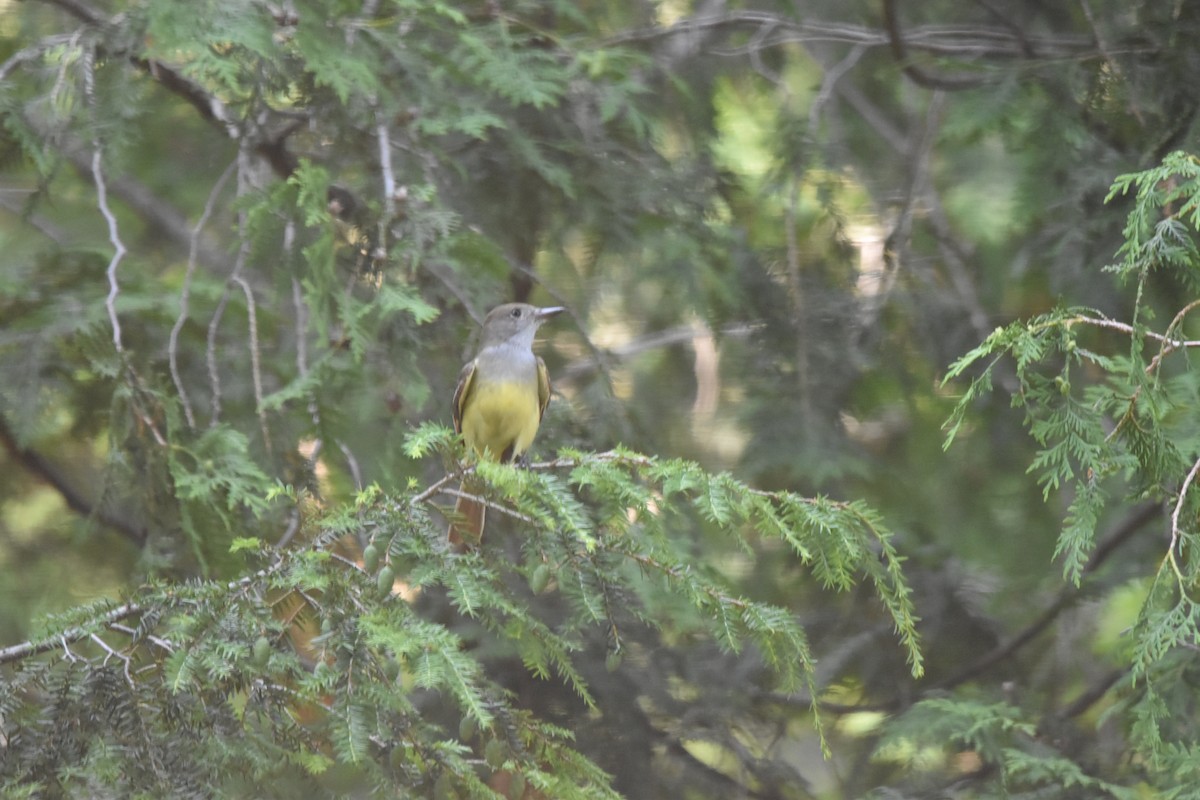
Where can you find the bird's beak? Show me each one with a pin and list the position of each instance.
(543, 314)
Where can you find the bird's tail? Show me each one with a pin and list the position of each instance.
(466, 524)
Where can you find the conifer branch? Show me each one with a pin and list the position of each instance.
(492, 504)
(24, 650)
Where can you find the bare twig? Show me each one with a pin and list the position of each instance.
(389, 185)
(918, 189)
(916, 74)
(255, 367)
(1175, 532)
(1168, 346)
(124, 659)
(972, 41)
(158, 641)
(478, 498)
(1125, 327)
(114, 235)
(185, 292)
(352, 463)
(437, 486)
(214, 375)
(301, 321)
(953, 253)
(293, 526)
(668, 337)
(17, 652)
(210, 357)
(829, 81)
(35, 51)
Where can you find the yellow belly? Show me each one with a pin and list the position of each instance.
(500, 416)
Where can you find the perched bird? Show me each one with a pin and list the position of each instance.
(498, 405)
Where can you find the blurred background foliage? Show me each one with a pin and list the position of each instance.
(774, 226)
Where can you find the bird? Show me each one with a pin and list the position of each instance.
(499, 402)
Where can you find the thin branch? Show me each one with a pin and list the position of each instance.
(492, 504)
(165, 644)
(1124, 327)
(185, 292)
(352, 463)
(40, 466)
(438, 485)
(916, 74)
(255, 366)
(668, 337)
(138, 397)
(210, 358)
(1027, 48)
(920, 194)
(142, 200)
(214, 375)
(1119, 535)
(830, 77)
(17, 652)
(1092, 695)
(289, 532)
(35, 51)
(1168, 346)
(114, 235)
(978, 41)
(113, 654)
(953, 253)
(1175, 532)
(389, 185)
(299, 306)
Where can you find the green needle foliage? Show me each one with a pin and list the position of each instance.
(1118, 422)
(311, 668)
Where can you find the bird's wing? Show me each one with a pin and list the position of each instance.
(543, 378)
(466, 379)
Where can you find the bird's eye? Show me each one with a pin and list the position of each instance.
(516, 312)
